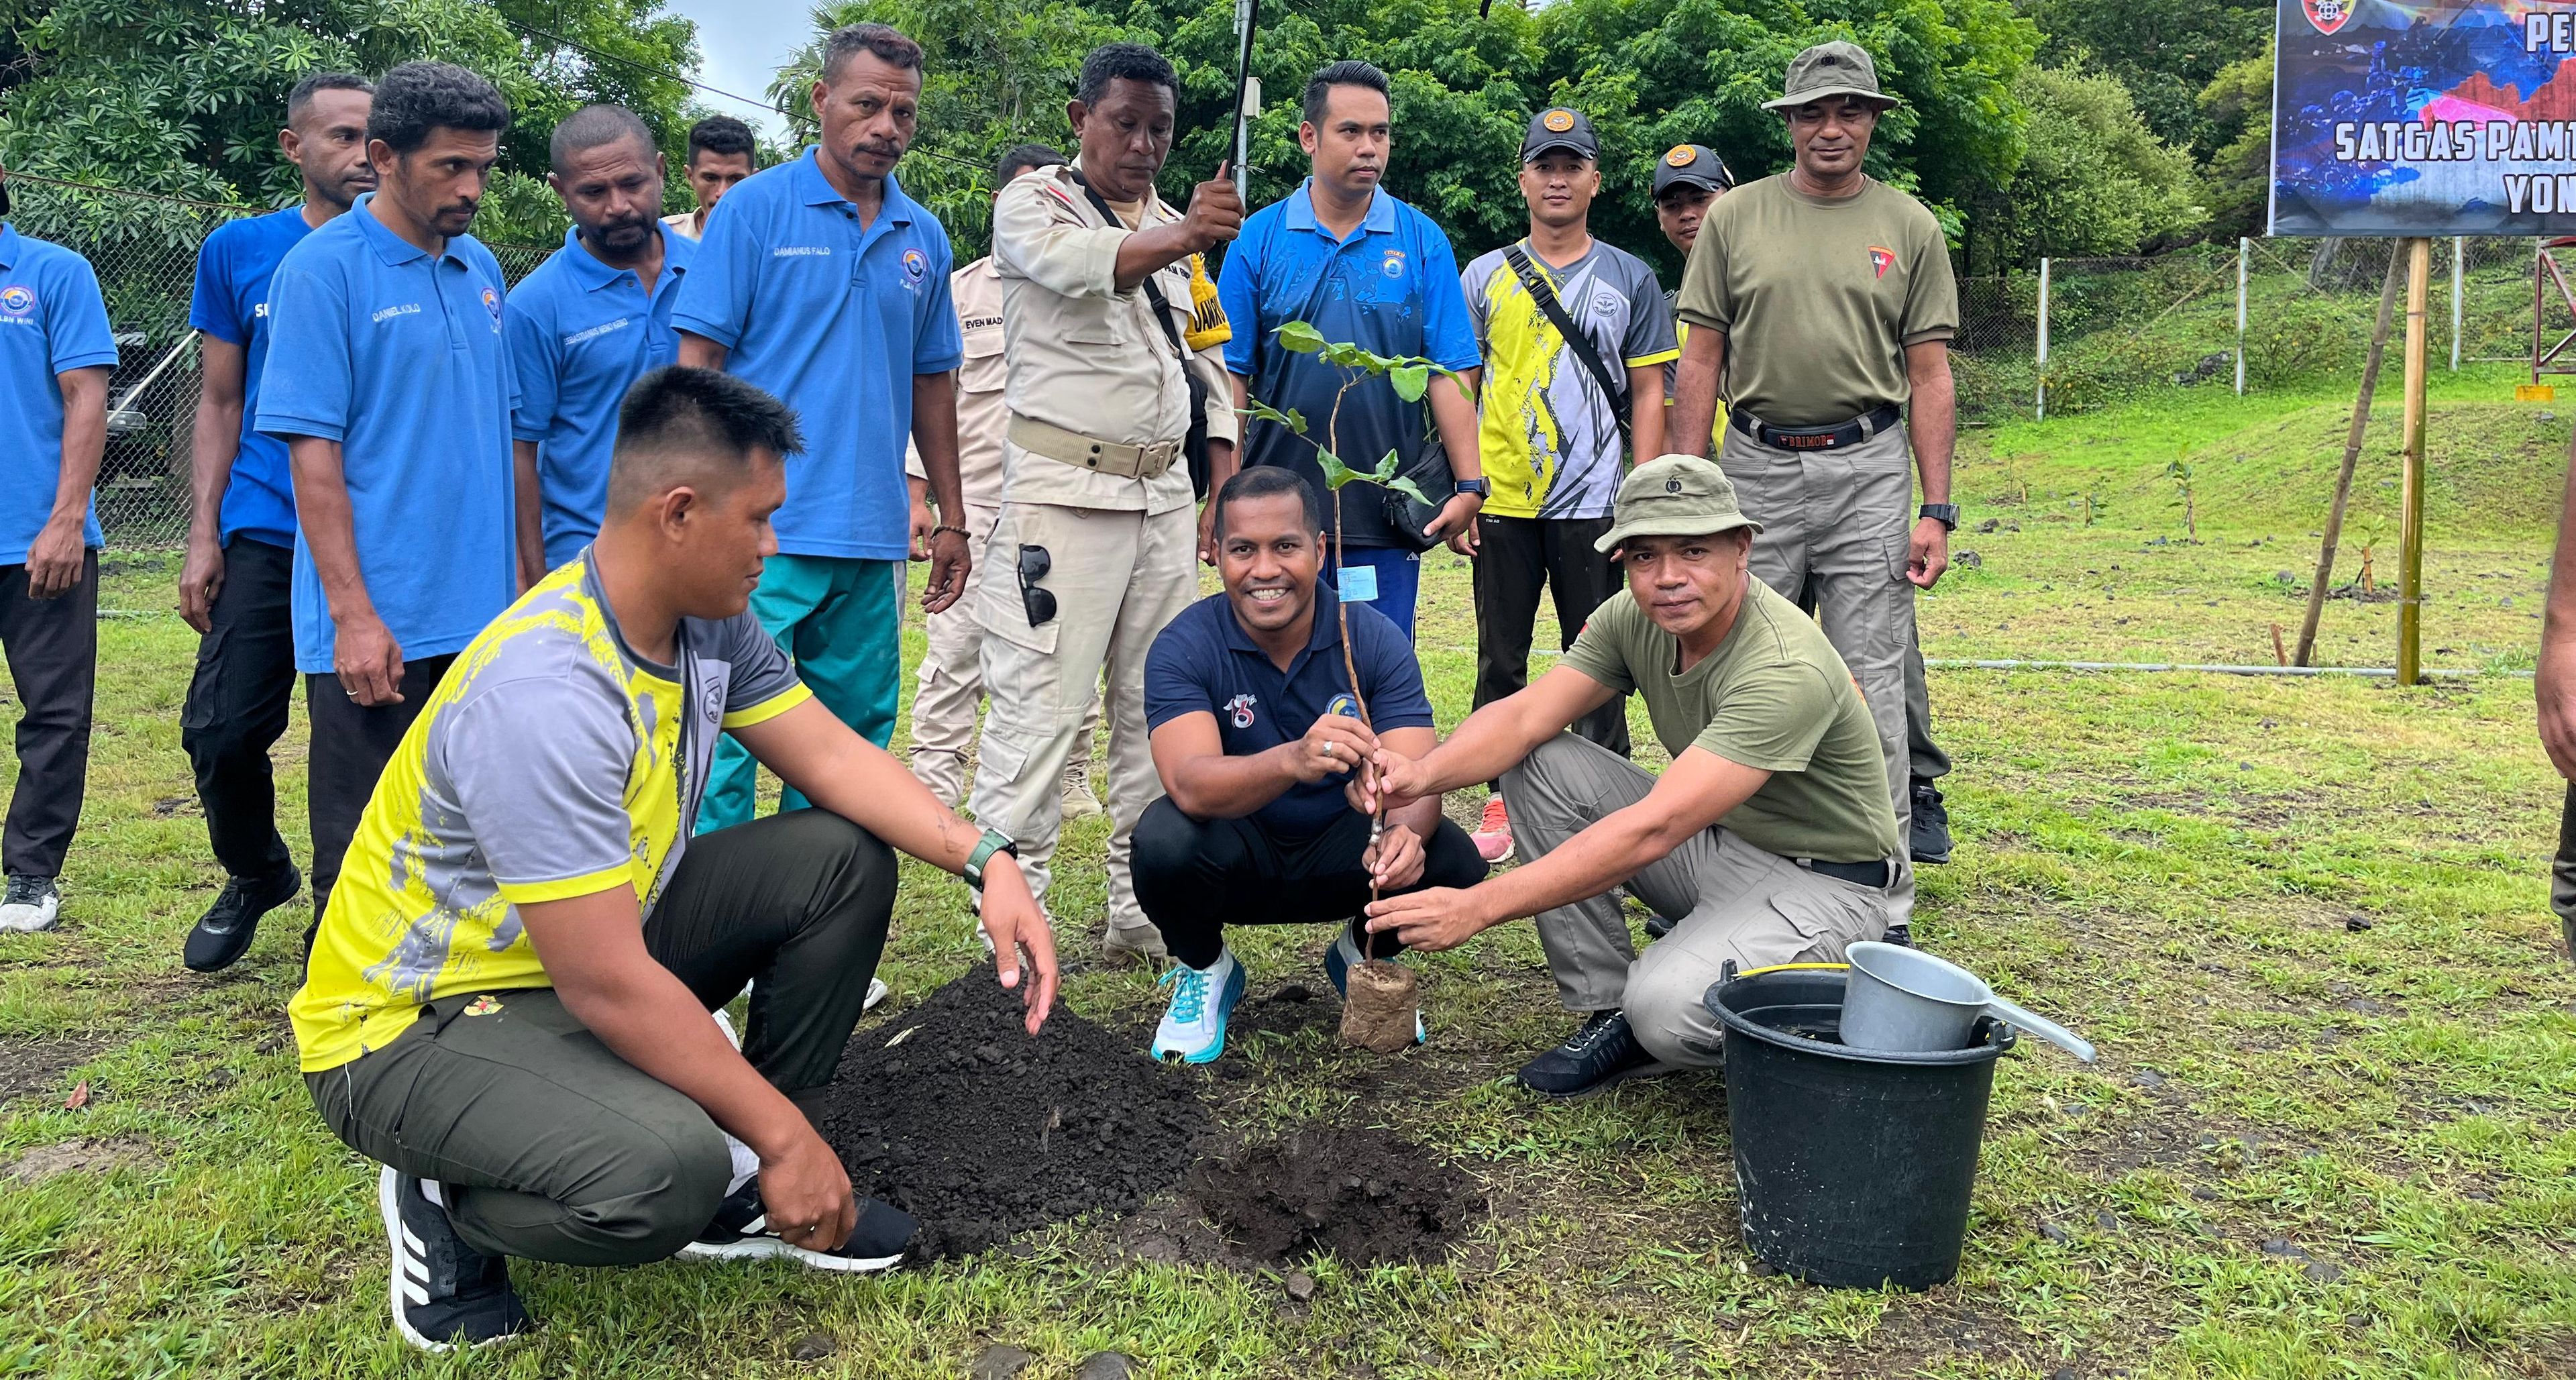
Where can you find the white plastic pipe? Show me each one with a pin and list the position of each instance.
(2459, 266)
(2039, 407)
(2376, 672)
(2244, 252)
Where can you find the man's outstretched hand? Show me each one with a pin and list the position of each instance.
(1023, 944)
(806, 1193)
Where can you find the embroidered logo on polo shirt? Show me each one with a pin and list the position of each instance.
(381, 315)
(17, 299)
(1881, 259)
(1394, 265)
(916, 266)
(1239, 710)
(595, 332)
(492, 304)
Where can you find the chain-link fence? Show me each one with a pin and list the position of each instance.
(2089, 332)
(2115, 328)
(144, 249)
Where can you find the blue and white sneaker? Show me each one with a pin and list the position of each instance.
(1193, 1026)
(1344, 956)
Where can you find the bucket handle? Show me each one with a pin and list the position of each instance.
(1788, 968)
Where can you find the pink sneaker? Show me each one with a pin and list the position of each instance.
(1493, 834)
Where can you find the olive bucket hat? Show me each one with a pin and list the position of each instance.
(1831, 69)
(1674, 496)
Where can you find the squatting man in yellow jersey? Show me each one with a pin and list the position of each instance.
(1770, 839)
(508, 1003)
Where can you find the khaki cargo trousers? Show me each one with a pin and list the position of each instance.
(1726, 898)
(1118, 576)
(949, 690)
(1842, 518)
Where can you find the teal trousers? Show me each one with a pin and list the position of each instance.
(841, 621)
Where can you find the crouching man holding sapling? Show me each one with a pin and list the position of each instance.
(1249, 695)
(508, 998)
(1770, 839)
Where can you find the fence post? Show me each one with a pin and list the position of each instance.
(2244, 252)
(2039, 408)
(2459, 266)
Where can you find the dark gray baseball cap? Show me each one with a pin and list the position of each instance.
(1831, 69)
(1560, 127)
(1694, 165)
(1674, 496)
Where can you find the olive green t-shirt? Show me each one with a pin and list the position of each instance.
(1819, 298)
(1774, 695)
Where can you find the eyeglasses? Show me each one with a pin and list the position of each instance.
(1038, 603)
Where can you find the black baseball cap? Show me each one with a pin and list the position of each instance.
(1691, 165)
(1560, 127)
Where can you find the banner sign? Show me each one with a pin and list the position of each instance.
(2424, 117)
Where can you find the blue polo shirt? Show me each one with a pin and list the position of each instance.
(399, 357)
(1391, 288)
(580, 334)
(836, 320)
(230, 304)
(52, 320)
(1203, 662)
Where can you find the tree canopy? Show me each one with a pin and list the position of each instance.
(184, 97)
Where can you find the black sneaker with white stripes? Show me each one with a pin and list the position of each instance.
(446, 1294)
(741, 1231)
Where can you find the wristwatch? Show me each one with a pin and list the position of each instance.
(1481, 488)
(994, 841)
(1946, 514)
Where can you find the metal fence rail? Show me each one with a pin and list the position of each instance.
(2263, 314)
(2112, 328)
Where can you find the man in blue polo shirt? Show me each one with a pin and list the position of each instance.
(55, 358)
(1255, 734)
(826, 285)
(1345, 256)
(234, 585)
(396, 417)
(592, 319)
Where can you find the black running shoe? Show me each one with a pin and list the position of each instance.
(1603, 1052)
(741, 1232)
(446, 1294)
(1930, 834)
(224, 932)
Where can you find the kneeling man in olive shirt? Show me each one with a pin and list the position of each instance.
(1770, 839)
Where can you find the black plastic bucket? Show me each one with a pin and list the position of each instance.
(1855, 1166)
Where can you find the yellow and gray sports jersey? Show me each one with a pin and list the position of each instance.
(551, 762)
(1547, 437)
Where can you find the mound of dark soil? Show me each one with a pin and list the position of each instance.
(1367, 1196)
(955, 1114)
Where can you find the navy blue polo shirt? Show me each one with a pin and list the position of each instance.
(1203, 662)
(836, 320)
(230, 304)
(1391, 288)
(399, 357)
(52, 321)
(580, 334)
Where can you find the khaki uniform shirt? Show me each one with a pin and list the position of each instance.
(1081, 355)
(976, 290)
(684, 224)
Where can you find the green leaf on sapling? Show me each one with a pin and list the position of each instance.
(1336, 474)
(1300, 337)
(1385, 468)
(1410, 490)
(1292, 419)
(1410, 380)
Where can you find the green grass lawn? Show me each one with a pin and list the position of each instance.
(2304, 920)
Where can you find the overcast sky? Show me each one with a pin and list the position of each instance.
(745, 42)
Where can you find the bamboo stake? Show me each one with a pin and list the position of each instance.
(2351, 457)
